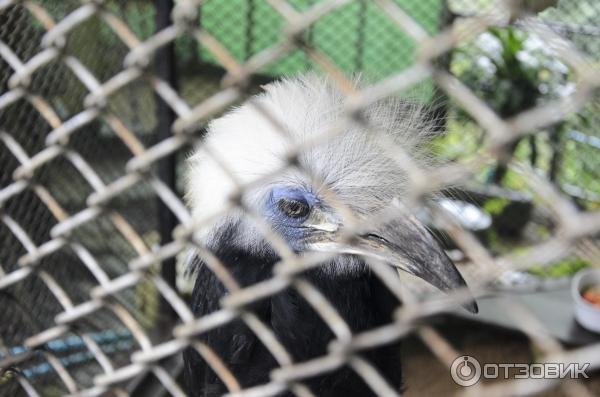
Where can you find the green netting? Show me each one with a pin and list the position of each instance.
(356, 37)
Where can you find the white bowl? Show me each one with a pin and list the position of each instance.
(586, 314)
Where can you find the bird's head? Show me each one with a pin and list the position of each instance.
(344, 179)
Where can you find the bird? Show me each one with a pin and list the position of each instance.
(269, 149)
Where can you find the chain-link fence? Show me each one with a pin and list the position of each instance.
(102, 102)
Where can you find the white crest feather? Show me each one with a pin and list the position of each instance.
(353, 164)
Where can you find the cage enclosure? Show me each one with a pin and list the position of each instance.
(105, 105)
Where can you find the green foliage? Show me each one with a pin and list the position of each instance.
(495, 206)
(461, 139)
(567, 267)
(510, 70)
(513, 71)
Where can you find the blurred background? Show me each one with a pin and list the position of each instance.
(507, 68)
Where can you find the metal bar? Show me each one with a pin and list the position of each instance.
(166, 70)
(249, 39)
(310, 38)
(360, 42)
(440, 101)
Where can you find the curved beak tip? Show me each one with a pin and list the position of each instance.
(471, 307)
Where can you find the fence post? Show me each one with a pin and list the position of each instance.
(166, 70)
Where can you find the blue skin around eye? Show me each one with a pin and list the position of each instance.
(291, 229)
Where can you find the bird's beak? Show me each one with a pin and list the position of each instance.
(404, 243)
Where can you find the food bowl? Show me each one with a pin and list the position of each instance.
(586, 313)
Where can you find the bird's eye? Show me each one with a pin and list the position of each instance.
(293, 208)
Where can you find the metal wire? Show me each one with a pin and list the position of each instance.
(109, 292)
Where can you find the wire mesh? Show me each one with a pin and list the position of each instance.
(81, 253)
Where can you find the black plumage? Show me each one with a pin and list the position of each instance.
(361, 300)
